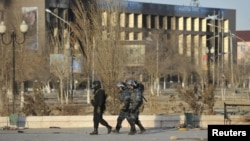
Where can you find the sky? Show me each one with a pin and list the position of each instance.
(242, 8)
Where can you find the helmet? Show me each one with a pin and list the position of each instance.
(132, 82)
(121, 85)
(96, 84)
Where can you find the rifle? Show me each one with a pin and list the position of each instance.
(144, 98)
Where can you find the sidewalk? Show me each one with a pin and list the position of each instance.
(82, 134)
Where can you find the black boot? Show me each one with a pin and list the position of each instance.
(132, 126)
(95, 132)
(132, 130)
(142, 131)
(109, 129)
(141, 127)
(117, 128)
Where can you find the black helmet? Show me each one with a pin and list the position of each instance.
(96, 85)
(121, 85)
(132, 82)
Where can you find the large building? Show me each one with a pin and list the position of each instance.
(243, 60)
(243, 45)
(204, 35)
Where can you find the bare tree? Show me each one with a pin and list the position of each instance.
(98, 32)
(60, 68)
(175, 63)
(152, 59)
(198, 102)
(159, 57)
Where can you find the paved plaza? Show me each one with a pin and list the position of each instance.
(82, 134)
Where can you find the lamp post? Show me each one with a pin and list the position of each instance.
(49, 11)
(213, 18)
(157, 64)
(231, 51)
(72, 58)
(157, 67)
(13, 41)
(231, 60)
(212, 51)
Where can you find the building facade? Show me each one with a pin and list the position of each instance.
(30, 55)
(202, 34)
(243, 50)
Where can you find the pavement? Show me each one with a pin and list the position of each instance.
(82, 134)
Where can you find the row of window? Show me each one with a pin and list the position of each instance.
(132, 20)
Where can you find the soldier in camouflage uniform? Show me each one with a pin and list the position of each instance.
(124, 98)
(136, 95)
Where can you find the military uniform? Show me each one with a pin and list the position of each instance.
(124, 110)
(136, 95)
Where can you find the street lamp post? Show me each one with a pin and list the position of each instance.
(157, 67)
(231, 60)
(212, 52)
(213, 18)
(49, 11)
(231, 51)
(13, 41)
(157, 64)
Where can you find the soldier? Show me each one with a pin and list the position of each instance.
(135, 103)
(125, 100)
(99, 102)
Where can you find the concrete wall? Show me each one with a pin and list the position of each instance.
(148, 121)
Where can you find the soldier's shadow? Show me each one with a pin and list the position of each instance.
(158, 130)
(150, 131)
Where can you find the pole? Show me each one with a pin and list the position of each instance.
(156, 82)
(23, 29)
(231, 57)
(222, 46)
(93, 60)
(13, 70)
(214, 54)
(223, 90)
(218, 62)
(157, 67)
(12, 41)
(72, 75)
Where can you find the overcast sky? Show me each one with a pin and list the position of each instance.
(242, 8)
